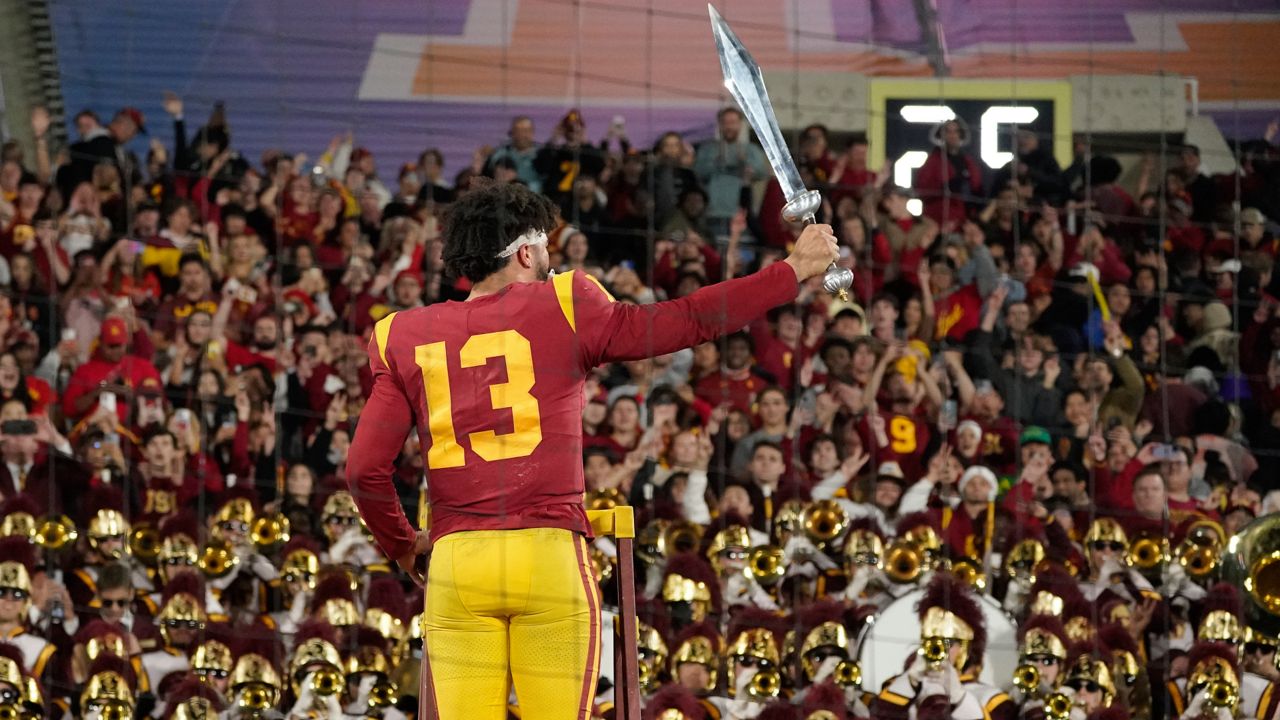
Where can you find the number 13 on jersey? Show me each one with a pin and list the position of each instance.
(526, 434)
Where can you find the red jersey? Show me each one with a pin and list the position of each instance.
(494, 387)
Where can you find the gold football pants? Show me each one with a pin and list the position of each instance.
(511, 608)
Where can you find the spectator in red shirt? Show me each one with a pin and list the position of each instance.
(950, 178)
(194, 293)
(736, 382)
(111, 369)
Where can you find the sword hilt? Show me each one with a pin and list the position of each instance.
(804, 207)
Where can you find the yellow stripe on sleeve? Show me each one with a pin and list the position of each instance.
(593, 279)
(563, 283)
(381, 332)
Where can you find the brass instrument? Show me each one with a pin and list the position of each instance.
(645, 676)
(765, 685)
(1221, 694)
(848, 674)
(270, 532)
(824, 521)
(218, 559)
(1252, 561)
(1026, 677)
(788, 521)
(10, 712)
(256, 698)
(969, 571)
(934, 652)
(55, 532)
(326, 682)
(1057, 706)
(680, 536)
(1148, 554)
(767, 565)
(1200, 561)
(144, 543)
(383, 694)
(903, 563)
(604, 499)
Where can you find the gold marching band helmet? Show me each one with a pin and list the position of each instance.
(105, 525)
(327, 679)
(1217, 680)
(339, 505)
(369, 660)
(235, 513)
(1088, 669)
(177, 550)
(734, 540)
(697, 649)
(863, 547)
(256, 684)
(212, 659)
(110, 694)
(653, 655)
(181, 610)
(827, 635)
(757, 644)
(300, 565)
(677, 588)
(939, 630)
(196, 708)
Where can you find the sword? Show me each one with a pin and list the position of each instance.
(743, 79)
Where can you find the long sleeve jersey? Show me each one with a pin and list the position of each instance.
(493, 386)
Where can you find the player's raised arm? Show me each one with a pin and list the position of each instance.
(618, 331)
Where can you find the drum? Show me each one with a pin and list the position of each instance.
(891, 637)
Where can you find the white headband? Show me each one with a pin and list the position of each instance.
(533, 237)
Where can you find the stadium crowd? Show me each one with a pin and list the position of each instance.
(1027, 437)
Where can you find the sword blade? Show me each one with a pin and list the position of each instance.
(744, 81)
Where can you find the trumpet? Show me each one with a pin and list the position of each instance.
(144, 543)
(326, 682)
(1026, 677)
(383, 694)
(824, 521)
(767, 565)
(115, 710)
(1221, 694)
(646, 676)
(270, 532)
(764, 685)
(934, 651)
(217, 560)
(903, 563)
(256, 698)
(848, 674)
(56, 532)
(1057, 706)
(10, 712)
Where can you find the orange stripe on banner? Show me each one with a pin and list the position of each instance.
(587, 699)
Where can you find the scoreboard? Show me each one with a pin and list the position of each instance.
(904, 113)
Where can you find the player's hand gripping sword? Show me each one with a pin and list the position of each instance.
(743, 79)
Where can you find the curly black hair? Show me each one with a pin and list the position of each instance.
(484, 221)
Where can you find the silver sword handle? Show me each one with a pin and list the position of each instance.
(804, 207)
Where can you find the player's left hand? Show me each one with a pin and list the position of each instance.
(409, 562)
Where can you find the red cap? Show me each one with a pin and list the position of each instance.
(114, 331)
(135, 115)
(409, 274)
(150, 386)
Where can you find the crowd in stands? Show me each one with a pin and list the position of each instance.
(1050, 401)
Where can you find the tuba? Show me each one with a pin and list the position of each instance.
(903, 563)
(824, 521)
(767, 565)
(1252, 562)
(270, 532)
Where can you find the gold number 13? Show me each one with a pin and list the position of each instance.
(526, 434)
